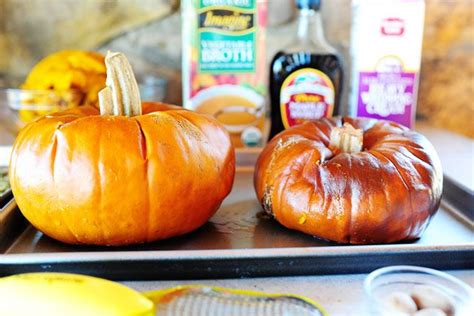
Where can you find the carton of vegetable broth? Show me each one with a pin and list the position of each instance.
(386, 44)
(224, 65)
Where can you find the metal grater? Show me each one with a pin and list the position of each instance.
(210, 301)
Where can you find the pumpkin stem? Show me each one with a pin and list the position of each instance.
(347, 138)
(121, 95)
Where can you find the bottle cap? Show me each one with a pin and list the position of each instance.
(308, 4)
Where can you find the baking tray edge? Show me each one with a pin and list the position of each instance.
(211, 264)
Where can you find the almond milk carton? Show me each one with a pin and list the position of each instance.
(386, 44)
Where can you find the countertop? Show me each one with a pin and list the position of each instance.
(338, 294)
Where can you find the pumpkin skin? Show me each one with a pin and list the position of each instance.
(386, 193)
(82, 178)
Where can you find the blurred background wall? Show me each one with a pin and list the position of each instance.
(149, 32)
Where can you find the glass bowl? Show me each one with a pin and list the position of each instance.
(152, 88)
(20, 106)
(385, 281)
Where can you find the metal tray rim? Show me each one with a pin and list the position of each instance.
(213, 254)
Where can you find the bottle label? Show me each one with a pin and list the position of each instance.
(306, 94)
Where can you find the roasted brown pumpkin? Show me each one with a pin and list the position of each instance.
(121, 176)
(350, 180)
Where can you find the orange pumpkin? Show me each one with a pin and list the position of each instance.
(350, 180)
(85, 178)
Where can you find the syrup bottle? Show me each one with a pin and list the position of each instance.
(305, 77)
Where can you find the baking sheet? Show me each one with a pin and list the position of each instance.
(459, 197)
(237, 242)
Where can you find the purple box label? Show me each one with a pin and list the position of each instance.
(387, 95)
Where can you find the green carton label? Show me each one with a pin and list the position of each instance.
(227, 36)
(244, 4)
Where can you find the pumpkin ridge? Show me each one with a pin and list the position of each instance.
(411, 156)
(408, 190)
(327, 200)
(414, 150)
(280, 145)
(395, 140)
(144, 152)
(318, 184)
(283, 181)
(142, 142)
(349, 228)
(66, 124)
(425, 166)
(282, 188)
(189, 128)
(100, 173)
(267, 200)
(53, 155)
(52, 162)
(384, 187)
(326, 138)
(54, 147)
(51, 166)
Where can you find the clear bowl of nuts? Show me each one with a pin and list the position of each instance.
(417, 291)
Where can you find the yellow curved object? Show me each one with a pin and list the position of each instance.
(69, 294)
(74, 78)
(83, 71)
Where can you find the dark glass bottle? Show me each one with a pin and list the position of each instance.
(306, 76)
